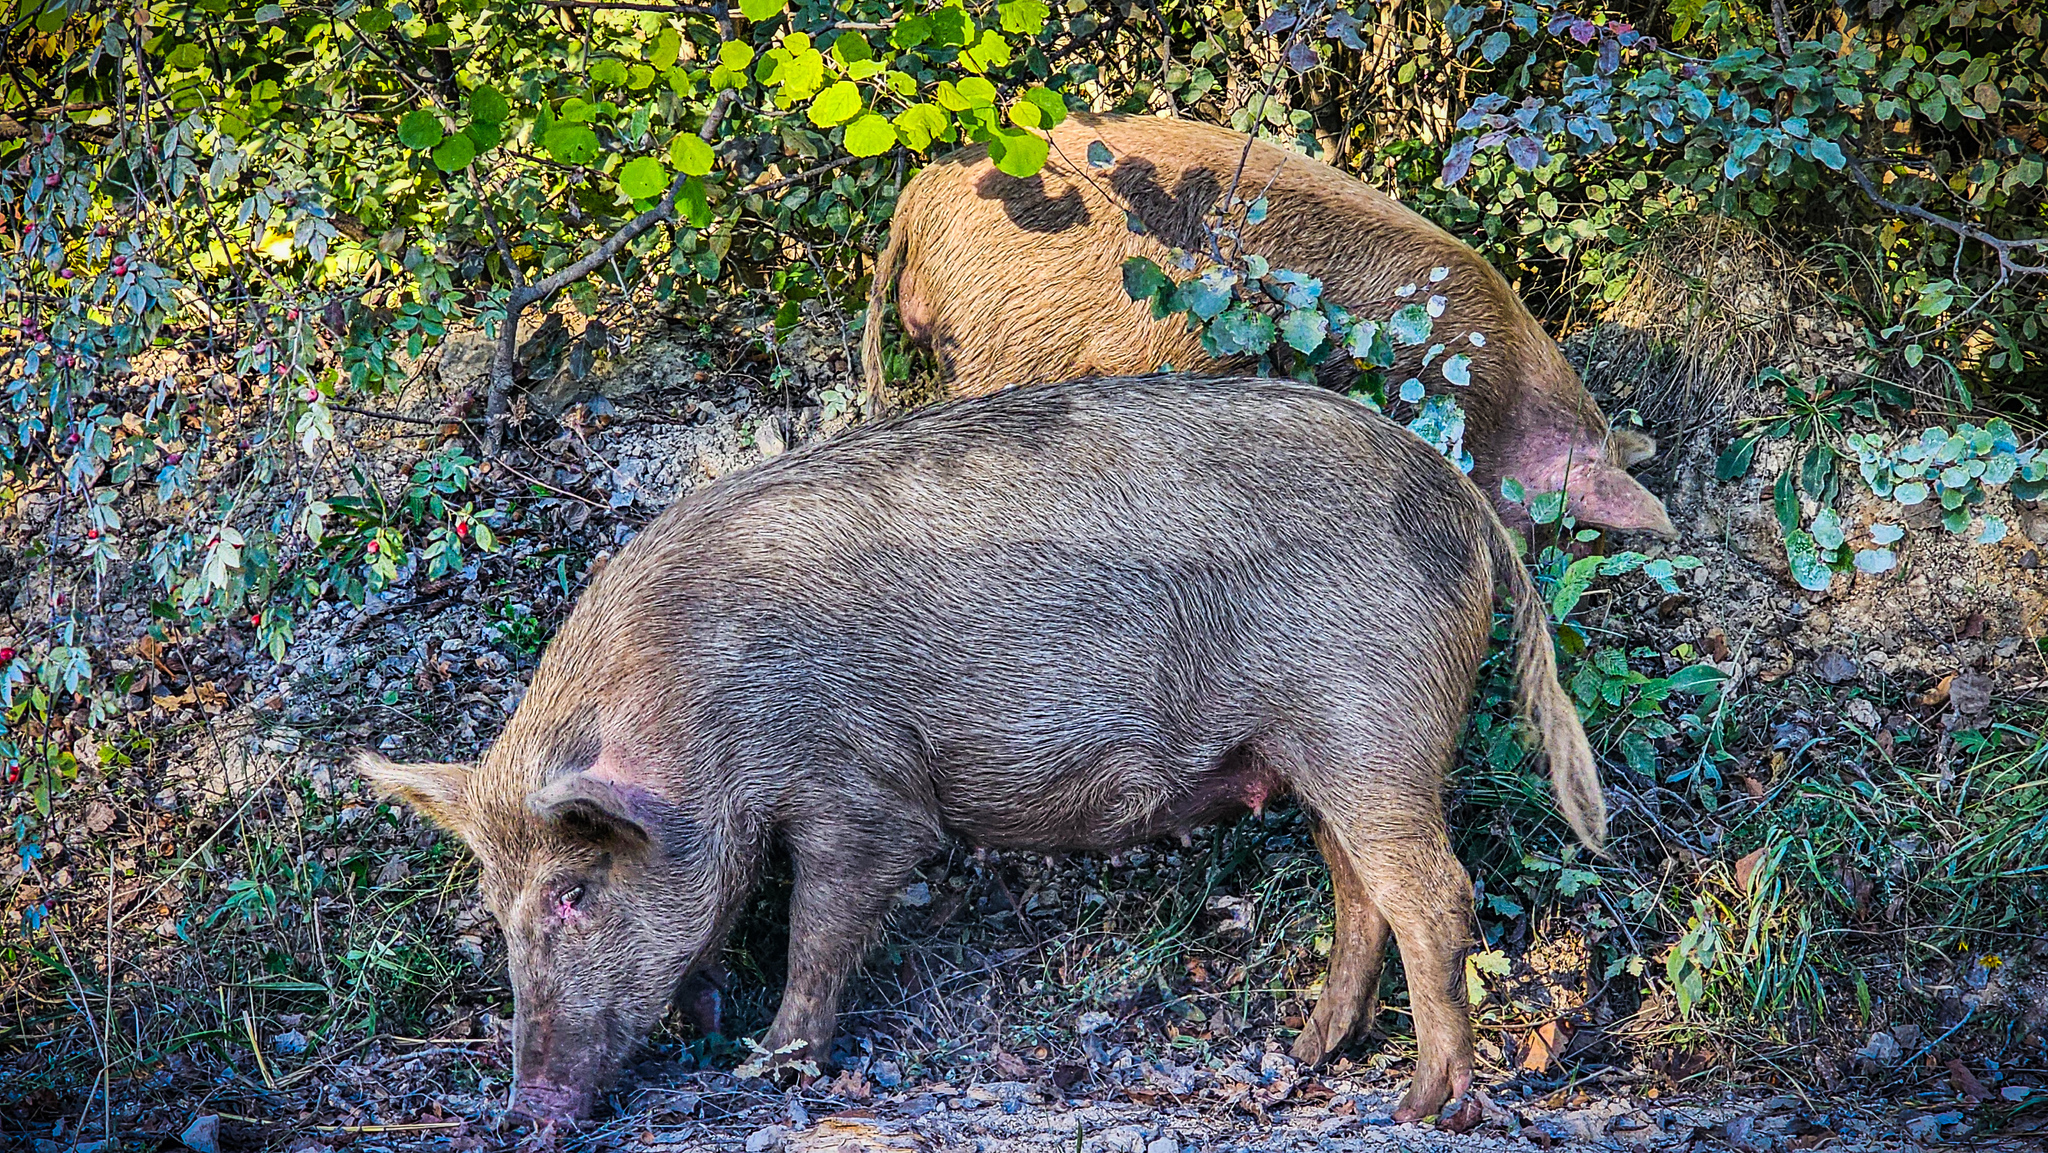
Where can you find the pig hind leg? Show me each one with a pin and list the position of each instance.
(1381, 828)
(847, 877)
(1351, 989)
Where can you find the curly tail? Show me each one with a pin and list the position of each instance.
(1574, 775)
(872, 374)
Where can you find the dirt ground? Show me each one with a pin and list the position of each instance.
(231, 766)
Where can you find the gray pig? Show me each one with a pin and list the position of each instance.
(1076, 617)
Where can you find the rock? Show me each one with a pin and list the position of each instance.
(1165, 1144)
(767, 1139)
(1833, 667)
(916, 896)
(203, 1134)
(1882, 1049)
(465, 359)
(395, 869)
(1863, 713)
(1969, 694)
(290, 1044)
(1093, 1022)
(769, 437)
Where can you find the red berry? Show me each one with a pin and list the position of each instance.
(256, 621)
(65, 273)
(6, 655)
(174, 458)
(462, 529)
(92, 534)
(291, 314)
(371, 548)
(52, 180)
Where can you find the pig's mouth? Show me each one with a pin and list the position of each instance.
(545, 1102)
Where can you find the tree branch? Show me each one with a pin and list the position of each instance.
(2007, 266)
(503, 358)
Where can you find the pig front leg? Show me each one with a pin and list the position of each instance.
(846, 880)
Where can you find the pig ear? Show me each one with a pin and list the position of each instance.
(1631, 446)
(439, 791)
(1603, 495)
(595, 805)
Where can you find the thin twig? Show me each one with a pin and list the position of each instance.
(2007, 266)
(374, 414)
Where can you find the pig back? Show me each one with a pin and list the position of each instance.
(1036, 617)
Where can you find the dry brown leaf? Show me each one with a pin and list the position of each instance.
(1544, 1044)
(1745, 869)
(1966, 1082)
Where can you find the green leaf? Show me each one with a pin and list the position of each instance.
(1022, 153)
(920, 124)
(1410, 325)
(667, 46)
(1735, 460)
(977, 92)
(420, 130)
(1143, 279)
(643, 176)
(1805, 562)
(1023, 16)
(608, 71)
(691, 202)
(483, 135)
(759, 10)
(870, 135)
(836, 105)
(1785, 501)
(1828, 530)
(489, 105)
(455, 153)
(571, 143)
(1830, 153)
(691, 156)
(1239, 330)
(186, 56)
(373, 21)
(1052, 104)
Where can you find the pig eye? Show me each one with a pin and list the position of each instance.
(569, 900)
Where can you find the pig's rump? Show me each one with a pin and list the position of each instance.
(1087, 615)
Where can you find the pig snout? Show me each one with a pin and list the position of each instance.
(544, 1101)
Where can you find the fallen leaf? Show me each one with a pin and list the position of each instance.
(1012, 1066)
(1745, 869)
(1544, 1044)
(1938, 695)
(1966, 1082)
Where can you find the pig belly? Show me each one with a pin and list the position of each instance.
(1111, 803)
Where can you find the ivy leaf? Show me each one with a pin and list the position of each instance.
(1994, 530)
(1494, 47)
(420, 130)
(489, 105)
(870, 135)
(1458, 370)
(643, 176)
(691, 156)
(1412, 390)
(1910, 493)
(1829, 153)
(455, 153)
(1526, 151)
(836, 105)
(759, 10)
(1876, 560)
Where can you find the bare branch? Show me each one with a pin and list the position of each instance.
(633, 6)
(1778, 26)
(2007, 266)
